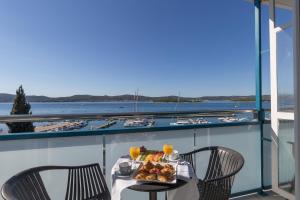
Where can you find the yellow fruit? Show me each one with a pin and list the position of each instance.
(149, 158)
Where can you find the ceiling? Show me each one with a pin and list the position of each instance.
(280, 3)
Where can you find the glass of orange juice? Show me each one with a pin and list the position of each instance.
(168, 149)
(134, 153)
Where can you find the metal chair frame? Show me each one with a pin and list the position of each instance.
(84, 183)
(224, 164)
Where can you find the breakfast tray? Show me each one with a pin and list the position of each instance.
(174, 180)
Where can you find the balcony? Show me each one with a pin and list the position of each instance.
(26, 150)
(268, 148)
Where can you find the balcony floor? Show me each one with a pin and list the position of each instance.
(270, 196)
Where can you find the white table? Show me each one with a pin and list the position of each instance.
(185, 173)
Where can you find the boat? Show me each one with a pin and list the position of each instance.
(242, 119)
(135, 122)
(186, 121)
(228, 119)
(181, 122)
(138, 122)
(151, 123)
(201, 121)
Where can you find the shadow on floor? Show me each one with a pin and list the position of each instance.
(270, 196)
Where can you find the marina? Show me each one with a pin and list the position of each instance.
(134, 123)
(123, 122)
(208, 116)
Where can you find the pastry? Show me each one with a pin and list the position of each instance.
(148, 165)
(166, 171)
(140, 176)
(162, 178)
(151, 177)
(159, 166)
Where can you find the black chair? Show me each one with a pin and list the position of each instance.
(224, 164)
(84, 183)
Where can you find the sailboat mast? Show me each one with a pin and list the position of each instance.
(137, 98)
(134, 100)
(178, 100)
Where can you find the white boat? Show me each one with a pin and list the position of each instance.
(228, 119)
(201, 121)
(138, 122)
(242, 119)
(151, 123)
(181, 122)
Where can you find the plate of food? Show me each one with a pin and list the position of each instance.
(150, 155)
(156, 172)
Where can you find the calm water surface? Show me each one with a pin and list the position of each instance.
(114, 107)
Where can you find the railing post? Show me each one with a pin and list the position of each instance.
(258, 82)
(104, 155)
(296, 25)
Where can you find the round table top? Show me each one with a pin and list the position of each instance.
(157, 187)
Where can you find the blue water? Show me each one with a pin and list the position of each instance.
(118, 107)
(115, 107)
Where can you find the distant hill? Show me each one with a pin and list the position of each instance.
(8, 98)
(234, 98)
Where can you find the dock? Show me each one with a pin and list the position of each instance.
(107, 124)
(64, 126)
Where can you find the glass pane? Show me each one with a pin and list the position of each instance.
(286, 161)
(267, 160)
(285, 70)
(267, 163)
(18, 155)
(118, 145)
(244, 139)
(283, 12)
(265, 56)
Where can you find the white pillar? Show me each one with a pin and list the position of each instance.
(296, 26)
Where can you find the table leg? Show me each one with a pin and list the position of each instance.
(152, 195)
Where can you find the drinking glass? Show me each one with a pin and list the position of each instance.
(168, 150)
(134, 154)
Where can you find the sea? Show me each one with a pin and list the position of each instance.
(119, 107)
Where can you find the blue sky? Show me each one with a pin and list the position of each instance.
(162, 47)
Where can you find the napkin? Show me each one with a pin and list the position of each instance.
(184, 172)
(190, 190)
(119, 184)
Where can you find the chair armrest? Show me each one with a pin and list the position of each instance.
(199, 150)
